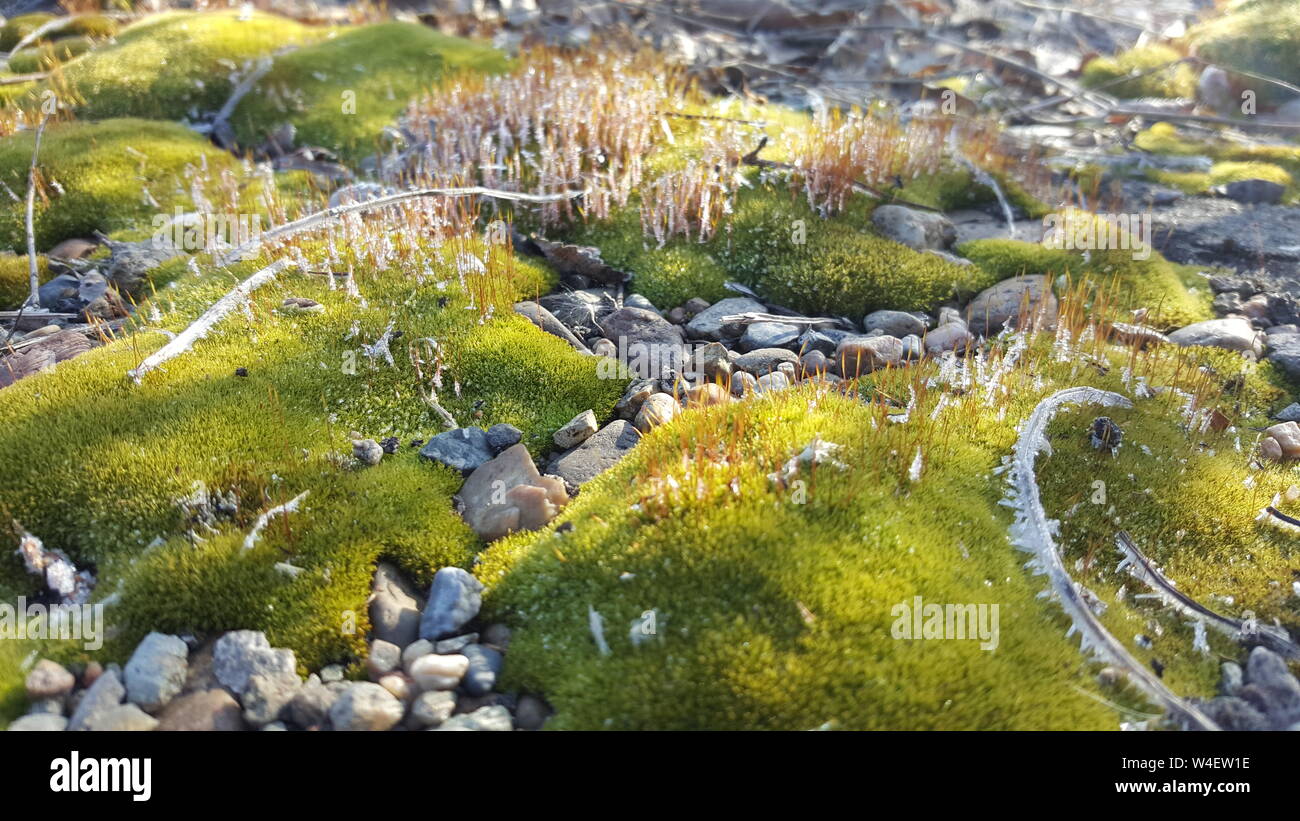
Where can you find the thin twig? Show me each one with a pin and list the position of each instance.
(34, 299)
(204, 324)
(313, 220)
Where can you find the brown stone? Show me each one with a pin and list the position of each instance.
(75, 248)
(205, 710)
(995, 306)
(857, 355)
(508, 494)
(49, 679)
(46, 353)
(656, 410)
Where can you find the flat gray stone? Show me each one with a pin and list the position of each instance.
(597, 454)
(769, 335)
(239, 654)
(492, 719)
(106, 693)
(894, 323)
(39, 723)
(156, 671)
(765, 360)
(1232, 333)
(463, 449)
(708, 323)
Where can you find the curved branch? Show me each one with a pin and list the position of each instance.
(1034, 532)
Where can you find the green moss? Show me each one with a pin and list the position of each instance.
(97, 26)
(104, 169)
(16, 28)
(1222, 173)
(1186, 501)
(530, 379)
(1007, 258)
(1174, 81)
(773, 607)
(729, 572)
(790, 255)
(1163, 138)
(175, 65)
(667, 276)
(1153, 283)
(956, 189)
(1262, 36)
(342, 92)
(41, 58)
(117, 457)
(15, 284)
(1234, 161)
(841, 267)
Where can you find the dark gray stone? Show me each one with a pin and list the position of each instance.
(484, 667)
(502, 436)
(59, 292)
(769, 335)
(1286, 354)
(1291, 413)
(1251, 192)
(580, 311)
(454, 599)
(708, 324)
(811, 340)
(647, 343)
(545, 320)
(893, 323)
(596, 455)
(463, 449)
(1232, 713)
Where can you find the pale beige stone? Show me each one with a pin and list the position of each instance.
(656, 410)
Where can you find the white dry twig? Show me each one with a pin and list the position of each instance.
(290, 506)
(202, 326)
(1034, 532)
(313, 220)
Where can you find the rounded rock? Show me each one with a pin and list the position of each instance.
(49, 679)
(435, 672)
(365, 706)
(893, 323)
(657, 409)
